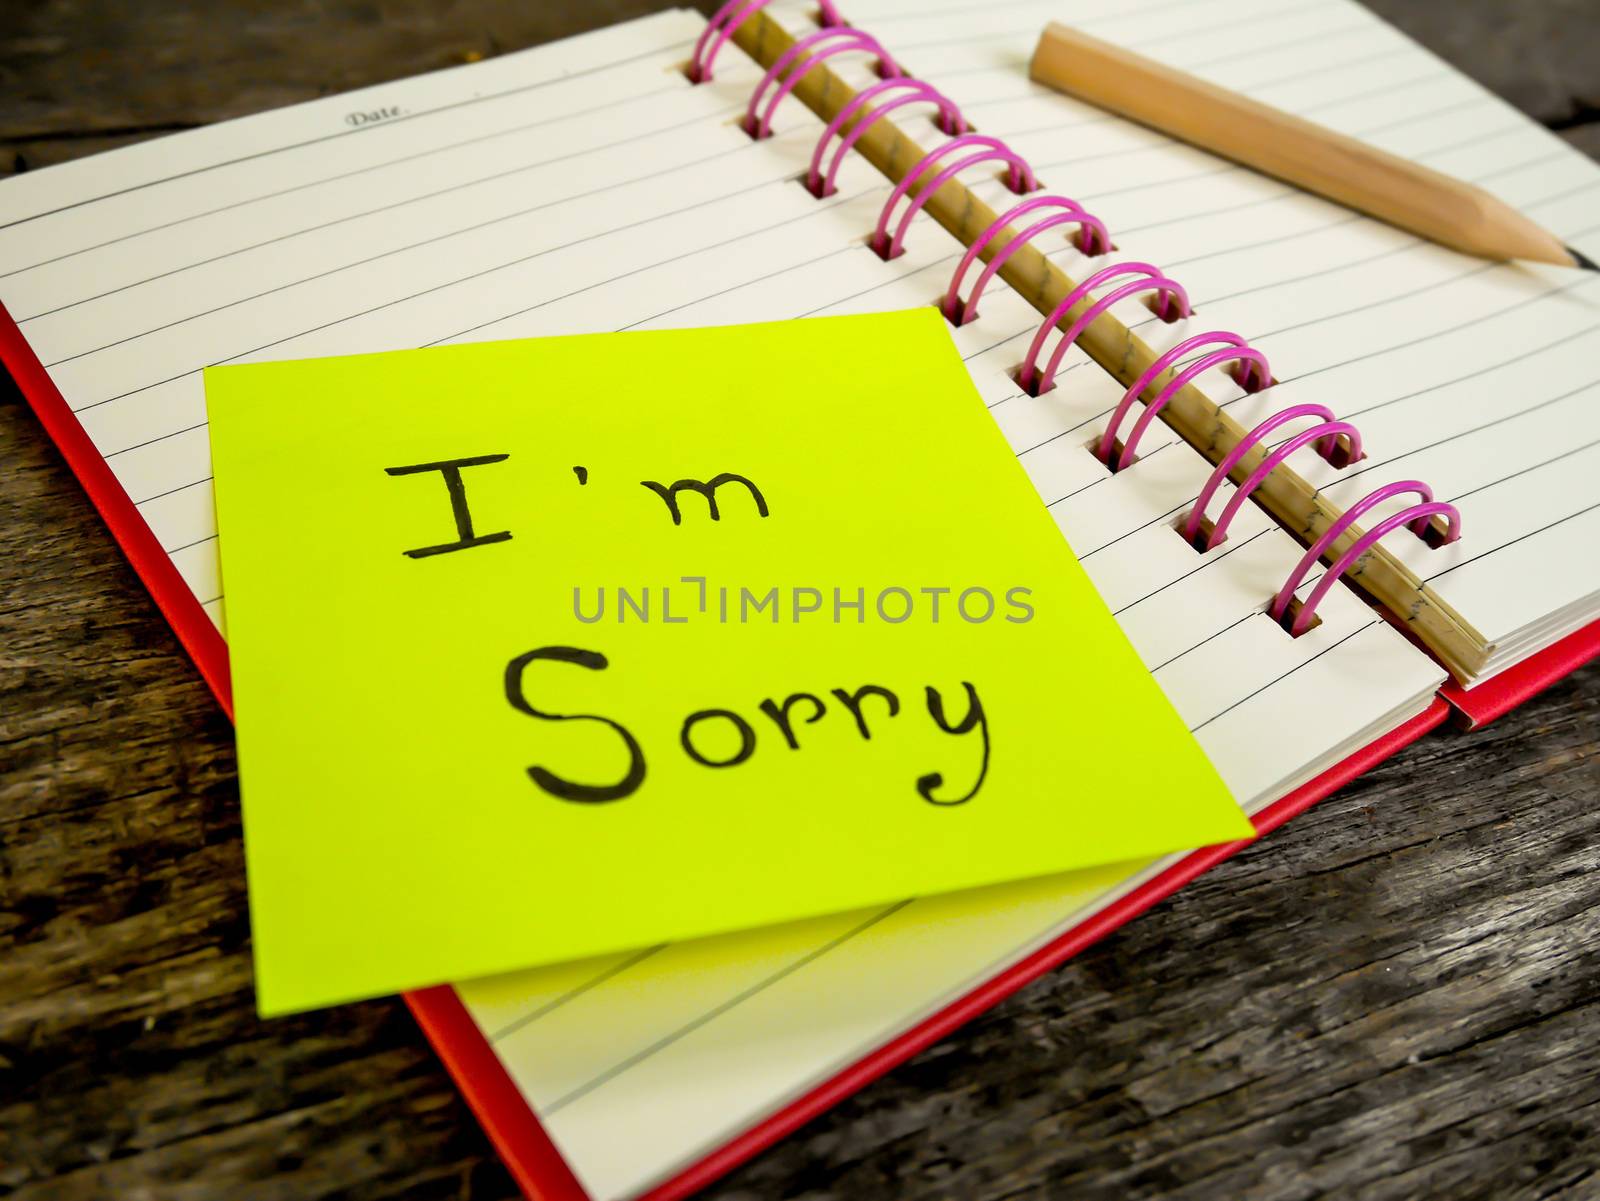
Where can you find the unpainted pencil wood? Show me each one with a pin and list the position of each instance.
(1406, 194)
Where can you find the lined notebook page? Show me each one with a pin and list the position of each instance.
(1481, 380)
(587, 186)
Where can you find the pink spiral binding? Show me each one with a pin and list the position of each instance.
(806, 53)
(1327, 445)
(1149, 279)
(1091, 234)
(723, 25)
(1416, 516)
(1317, 433)
(1019, 178)
(1252, 374)
(725, 22)
(950, 122)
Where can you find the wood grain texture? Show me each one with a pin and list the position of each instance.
(1396, 996)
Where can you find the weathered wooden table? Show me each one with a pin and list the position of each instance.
(1396, 996)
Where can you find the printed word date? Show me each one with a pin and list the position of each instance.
(372, 116)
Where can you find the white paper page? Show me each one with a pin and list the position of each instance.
(1480, 380)
(616, 196)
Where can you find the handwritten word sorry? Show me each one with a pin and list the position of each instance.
(697, 728)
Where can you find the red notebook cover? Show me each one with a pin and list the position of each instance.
(1498, 696)
(515, 1130)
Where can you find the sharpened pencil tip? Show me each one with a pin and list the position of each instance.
(1582, 260)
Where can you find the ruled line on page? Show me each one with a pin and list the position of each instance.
(431, 241)
(172, 491)
(1206, 561)
(1254, 89)
(824, 206)
(1212, 637)
(343, 175)
(991, 6)
(1388, 460)
(710, 1015)
(1326, 650)
(565, 77)
(1286, 11)
(1498, 365)
(692, 122)
(903, 274)
(1520, 538)
(1590, 186)
(1138, 529)
(572, 994)
(172, 550)
(1532, 467)
(763, 184)
(744, 283)
(1259, 49)
(1412, 343)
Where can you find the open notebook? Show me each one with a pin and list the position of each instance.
(588, 185)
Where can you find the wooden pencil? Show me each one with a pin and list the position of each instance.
(1372, 181)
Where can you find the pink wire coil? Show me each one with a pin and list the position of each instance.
(1092, 239)
(1416, 516)
(1280, 455)
(1169, 292)
(1326, 444)
(950, 122)
(1019, 178)
(1252, 374)
(724, 23)
(810, 51)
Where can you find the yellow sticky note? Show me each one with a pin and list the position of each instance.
(545, 649)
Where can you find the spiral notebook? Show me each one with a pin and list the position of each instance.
(590, 185)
